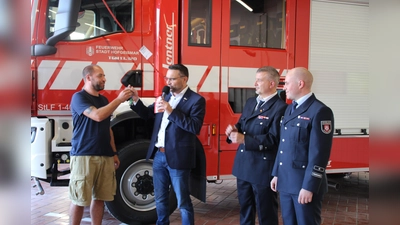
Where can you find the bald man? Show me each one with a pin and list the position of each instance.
(304, 149)
(94, 156)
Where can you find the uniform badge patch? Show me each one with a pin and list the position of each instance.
(326, 126)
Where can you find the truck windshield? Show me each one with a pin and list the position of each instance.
(94, 19)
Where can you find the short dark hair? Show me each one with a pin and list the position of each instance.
(272, 73)
(183, 70)
(88, 70)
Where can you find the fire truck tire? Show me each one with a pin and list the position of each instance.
(134, 201)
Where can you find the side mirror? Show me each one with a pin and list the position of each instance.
(65, 24)
(133, 78)
(42, 50)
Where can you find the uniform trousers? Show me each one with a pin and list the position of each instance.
(257, 198)
(294, 213)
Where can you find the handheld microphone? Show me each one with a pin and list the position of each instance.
(165, 91)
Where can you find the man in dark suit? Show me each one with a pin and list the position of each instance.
(174, 141)
(257, 132)
(303, 154)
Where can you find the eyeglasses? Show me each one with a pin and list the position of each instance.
(172, 78)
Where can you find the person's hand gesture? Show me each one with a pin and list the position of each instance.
(125, 95)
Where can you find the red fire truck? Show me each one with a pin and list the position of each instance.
(222, 43)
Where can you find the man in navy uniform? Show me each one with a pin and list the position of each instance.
(257, 132)
(303, 154)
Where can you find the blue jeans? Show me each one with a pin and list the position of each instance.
(163, 177)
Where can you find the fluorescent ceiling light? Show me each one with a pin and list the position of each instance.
(245, 5)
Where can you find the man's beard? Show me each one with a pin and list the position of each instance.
(98, 87)
(172, 89)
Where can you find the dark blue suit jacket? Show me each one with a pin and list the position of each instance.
(304, 150)
(185, 123)
(254, 160)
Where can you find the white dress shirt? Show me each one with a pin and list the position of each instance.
(173, 102)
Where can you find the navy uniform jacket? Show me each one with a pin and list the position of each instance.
(185, 123)
(304, 149)
(254, 159)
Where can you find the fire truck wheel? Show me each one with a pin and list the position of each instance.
(134, 201)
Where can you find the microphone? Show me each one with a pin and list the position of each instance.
(165, 91)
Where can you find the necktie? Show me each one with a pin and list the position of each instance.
(294, 104)
(259, 105)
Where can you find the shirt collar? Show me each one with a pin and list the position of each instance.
(180, 93)
(266, 98)
(303, 99)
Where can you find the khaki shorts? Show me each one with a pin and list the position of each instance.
(92, 177)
